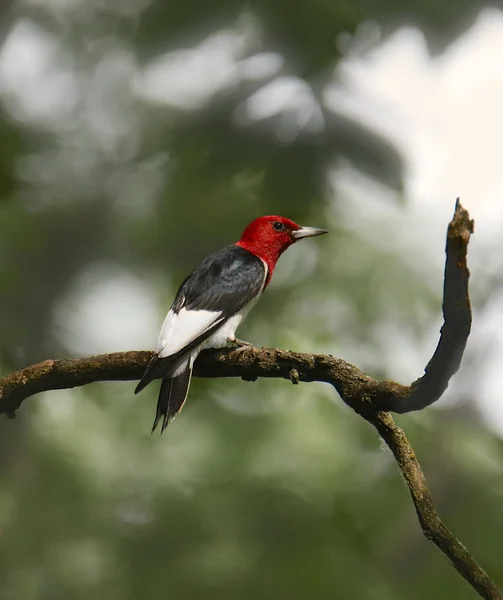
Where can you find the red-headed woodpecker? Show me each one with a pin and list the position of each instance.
(212, 302)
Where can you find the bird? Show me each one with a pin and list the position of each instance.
(212, 302)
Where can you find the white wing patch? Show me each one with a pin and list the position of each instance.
(182, 328)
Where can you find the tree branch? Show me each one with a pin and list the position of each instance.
(433, 527)
(369, 397)
(454, 334)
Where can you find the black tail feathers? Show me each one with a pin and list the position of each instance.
(156, 368)
(172, 396)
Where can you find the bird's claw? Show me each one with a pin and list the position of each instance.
(240, 345)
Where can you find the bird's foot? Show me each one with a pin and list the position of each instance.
(240, 345)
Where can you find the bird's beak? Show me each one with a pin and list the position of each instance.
(305, 232)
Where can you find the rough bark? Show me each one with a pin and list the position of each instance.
(370, 398)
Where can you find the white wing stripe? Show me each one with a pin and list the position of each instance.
(182, 328)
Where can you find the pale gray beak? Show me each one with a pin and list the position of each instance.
(305, 232)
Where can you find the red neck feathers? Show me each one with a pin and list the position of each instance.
(268, 237)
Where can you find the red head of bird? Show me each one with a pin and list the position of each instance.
(268, 237)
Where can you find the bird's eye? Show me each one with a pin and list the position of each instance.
(278, 226)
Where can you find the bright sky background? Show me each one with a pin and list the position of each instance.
(444, 113)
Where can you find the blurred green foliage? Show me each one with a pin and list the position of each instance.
(257, 490)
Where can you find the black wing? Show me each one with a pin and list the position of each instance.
(223, 283)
